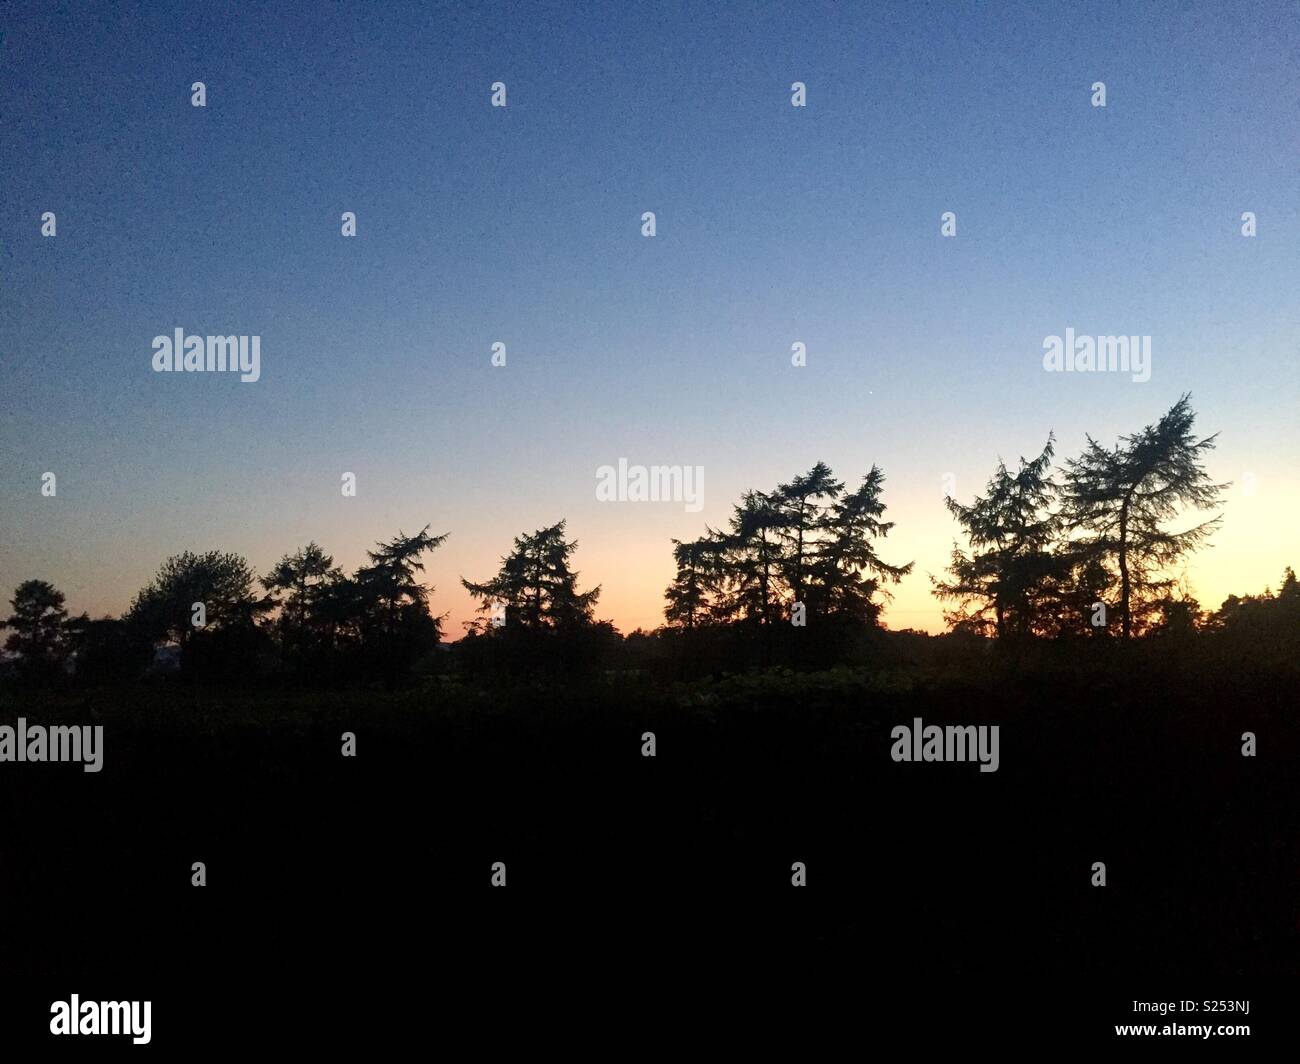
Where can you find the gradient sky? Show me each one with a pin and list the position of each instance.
(478, 224)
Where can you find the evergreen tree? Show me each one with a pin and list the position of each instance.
(1083, 583)
(1010, 580)
(1120, 498)
(753, 560)
(847, 572)
(300, 577)
(688, 598)
(536, 587)
(387, 590)
(37, 625)
(802, 509)
(387, 607)
(805, 542)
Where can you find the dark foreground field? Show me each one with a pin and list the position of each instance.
(348, 899)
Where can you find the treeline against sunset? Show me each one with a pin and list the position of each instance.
(1077, 557)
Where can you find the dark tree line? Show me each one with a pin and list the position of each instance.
(305, 619)
(795, 577)
(309, 621)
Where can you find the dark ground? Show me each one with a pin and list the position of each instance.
(348, 900)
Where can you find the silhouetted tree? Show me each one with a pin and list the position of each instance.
(37, 635)
(337, 612)
(847, 572)
(1247, 611)
(1179, 616)
(807, 542)
(1009, 580)
(223, 582)
(299, 577)
(535, 586)
(1263, 629)
(390, 606)
(1083, 583)
(106, 651)
(753, 559)
(1119, 499)
(537, 621)
(689, 594)
(803, 519)
(306, 627)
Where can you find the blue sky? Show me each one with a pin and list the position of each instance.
(522, 225)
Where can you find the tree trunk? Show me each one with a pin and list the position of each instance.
(1123, 570)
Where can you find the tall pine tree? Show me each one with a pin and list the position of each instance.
(1118, 500)
(536, 586)
(1008, 581)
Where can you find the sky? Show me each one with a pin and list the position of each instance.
(523, 225)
